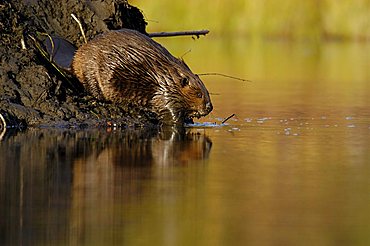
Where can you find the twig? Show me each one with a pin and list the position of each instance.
(184, 33)
(23, 44)
(96, 115)
(52, 46)
(3, 131)
(228, 118)
(224, 75)
(80, 25)
(3, 120)
(38, 98)
(187, 52)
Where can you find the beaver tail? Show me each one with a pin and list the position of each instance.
(61, 51)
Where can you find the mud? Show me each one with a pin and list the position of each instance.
(32, 91)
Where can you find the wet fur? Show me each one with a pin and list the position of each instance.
(129, 68)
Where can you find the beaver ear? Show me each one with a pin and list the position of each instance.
(184, 82)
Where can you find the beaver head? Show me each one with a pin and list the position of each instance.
(131, 69)
(181, 94)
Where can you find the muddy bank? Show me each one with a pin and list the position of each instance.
(32, 91)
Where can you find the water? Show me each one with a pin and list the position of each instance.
(292, 167)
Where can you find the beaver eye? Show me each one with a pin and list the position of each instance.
(200, 95)
(184, 82)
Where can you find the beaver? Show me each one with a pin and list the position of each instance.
(129, 68)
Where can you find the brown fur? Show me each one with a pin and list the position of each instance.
(129, 68)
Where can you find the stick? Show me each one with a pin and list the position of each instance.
(23, 44)
(3, 130)
(80, 25)
(227, 118)
(184, 33)
(3, 120)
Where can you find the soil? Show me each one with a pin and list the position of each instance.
(32, 91)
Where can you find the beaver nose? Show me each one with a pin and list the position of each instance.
(209, 106)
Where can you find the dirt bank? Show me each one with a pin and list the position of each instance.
(32, 91)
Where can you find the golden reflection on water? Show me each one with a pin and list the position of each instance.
(94, 187)
(292, 168)
(317, 79)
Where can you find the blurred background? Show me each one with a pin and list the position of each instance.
(300, 55)
(312, 20)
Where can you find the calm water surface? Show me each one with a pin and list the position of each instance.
(291, 168)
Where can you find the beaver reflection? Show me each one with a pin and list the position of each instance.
(167, 147)
(67, 175)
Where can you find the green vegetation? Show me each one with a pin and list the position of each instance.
(286, 19)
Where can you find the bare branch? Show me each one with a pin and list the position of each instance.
(184, 33)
